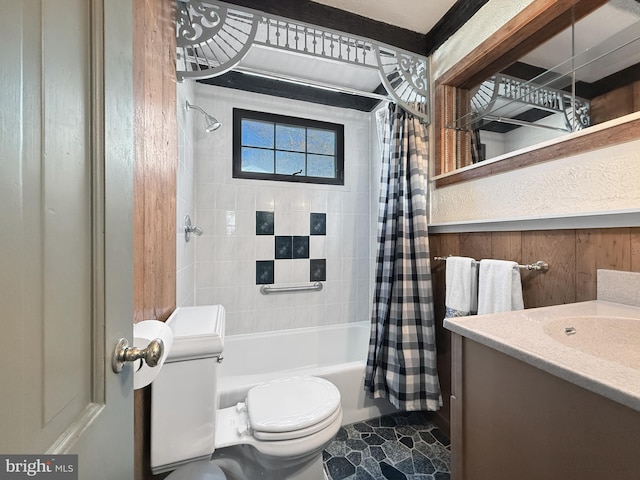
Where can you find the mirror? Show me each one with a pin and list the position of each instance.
(587, 74)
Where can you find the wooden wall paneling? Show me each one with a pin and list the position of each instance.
(139, 165)
(611, 105)
(507, 246)
(442, 245)
(434, 245)
(454, 146)
(439, 132)
(636, 96)
(445, 148)
(614, 249)
(475, 245)
(439, 246)
(150, 96)
(450, 244)
(463, 132)
(158, 136)
(463, 148)
(635, 249)
(154, 185)
(599, 248)
(437, 275)
(169, 148)
(586, 261)
(557, 285)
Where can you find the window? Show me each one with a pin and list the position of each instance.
(290, 149)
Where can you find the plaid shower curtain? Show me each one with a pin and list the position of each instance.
(401, 365)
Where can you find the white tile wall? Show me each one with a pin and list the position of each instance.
(225, 209)
(185, 195)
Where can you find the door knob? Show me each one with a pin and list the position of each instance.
(124, 353)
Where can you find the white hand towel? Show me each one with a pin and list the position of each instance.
(499, 287)
(461, 297)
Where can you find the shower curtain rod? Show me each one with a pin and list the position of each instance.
(310, 83)
(521, 123)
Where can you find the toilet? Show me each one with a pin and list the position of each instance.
(277, 433)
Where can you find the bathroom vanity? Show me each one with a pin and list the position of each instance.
(549, 393)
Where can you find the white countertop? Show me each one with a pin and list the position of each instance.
(521, 334)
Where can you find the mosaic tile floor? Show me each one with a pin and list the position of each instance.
(402, 446)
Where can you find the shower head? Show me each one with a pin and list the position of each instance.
(210, 122)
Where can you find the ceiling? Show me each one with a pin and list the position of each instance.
(416, 15)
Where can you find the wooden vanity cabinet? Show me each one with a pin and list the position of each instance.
(513, 421)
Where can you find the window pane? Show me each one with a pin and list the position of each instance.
(282, 148)
(321, 166)
(257, 160)
(321, 141)
(288, 163)
(257, 134)
(290, 138)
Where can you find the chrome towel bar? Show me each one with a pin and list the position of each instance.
(540, 265)
(267, 289)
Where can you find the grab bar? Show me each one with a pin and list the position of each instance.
(540, 265)
(267, 289)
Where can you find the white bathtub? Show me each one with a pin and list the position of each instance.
(335, 352)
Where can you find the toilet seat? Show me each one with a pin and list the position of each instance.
(294, 427)
(304, 432)
(288, 407)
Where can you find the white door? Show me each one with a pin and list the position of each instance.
(66, 282)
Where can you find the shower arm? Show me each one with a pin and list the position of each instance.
(190, 106)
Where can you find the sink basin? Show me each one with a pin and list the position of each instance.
(616, 339)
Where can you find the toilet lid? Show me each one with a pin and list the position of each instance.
(293, 403)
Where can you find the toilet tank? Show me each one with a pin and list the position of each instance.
(184, 397)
